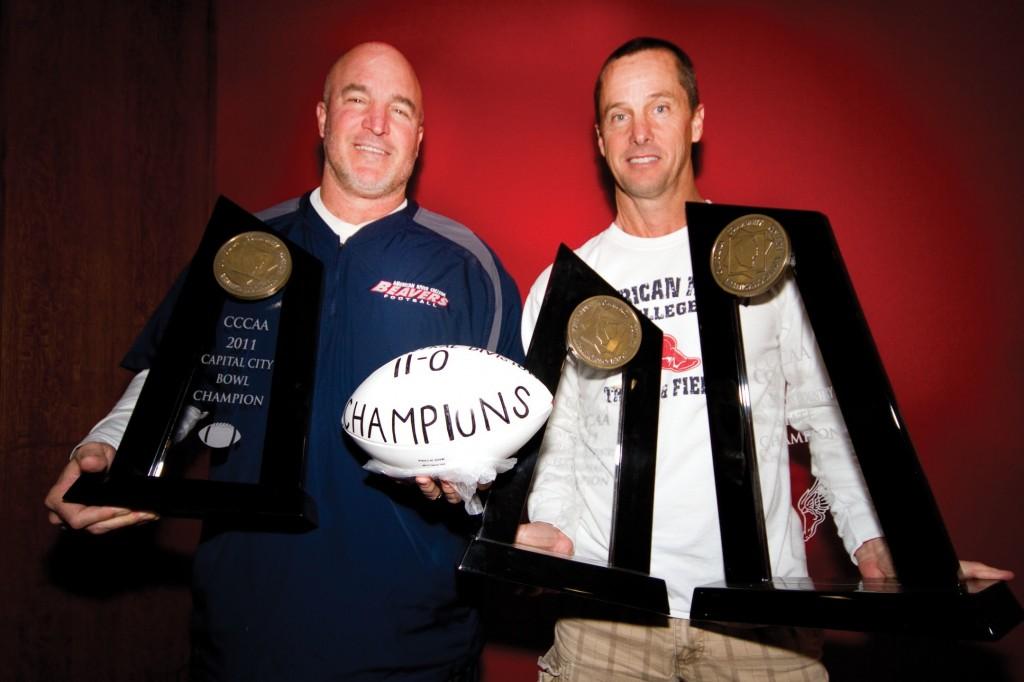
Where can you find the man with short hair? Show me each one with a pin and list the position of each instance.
(371, 593)
(648, 117)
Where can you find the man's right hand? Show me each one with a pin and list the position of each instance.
(544, 536)
(89, 458)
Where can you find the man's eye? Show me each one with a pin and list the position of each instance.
(661, 108)
(618, 118)
(401, 112)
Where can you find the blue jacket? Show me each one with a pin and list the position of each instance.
(371, 593)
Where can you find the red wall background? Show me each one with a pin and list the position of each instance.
(899, 120)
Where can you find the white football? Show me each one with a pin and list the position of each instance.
(443, 408)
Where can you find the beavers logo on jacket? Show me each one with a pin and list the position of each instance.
(408, 291)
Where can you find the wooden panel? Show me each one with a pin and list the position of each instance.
(107, 177)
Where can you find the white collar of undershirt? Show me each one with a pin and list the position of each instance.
(343, 229)
(621, 237)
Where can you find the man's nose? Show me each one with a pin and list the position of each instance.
(376, 120)
(641, 132)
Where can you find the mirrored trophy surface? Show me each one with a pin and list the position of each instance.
(750, 259)
(585, 316)
(219, 430)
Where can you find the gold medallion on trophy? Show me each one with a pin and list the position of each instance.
(604, 332)
(252, 265)
(750, 255)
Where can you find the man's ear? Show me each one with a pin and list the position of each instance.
(321, 118)
(697, 124)
(600, 140)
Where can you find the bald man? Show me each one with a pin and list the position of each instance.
(371, 593)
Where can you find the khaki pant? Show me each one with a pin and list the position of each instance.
(588, 650)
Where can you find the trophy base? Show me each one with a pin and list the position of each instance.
(239, 505)
(979, 610)
(536, 568)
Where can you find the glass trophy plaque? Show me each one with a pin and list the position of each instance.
(584, 315)
(219, 430)
(748, 262)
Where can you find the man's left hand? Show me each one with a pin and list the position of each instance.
(875, 561)
(433, 489)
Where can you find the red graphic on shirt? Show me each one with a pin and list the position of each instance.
(672, 358)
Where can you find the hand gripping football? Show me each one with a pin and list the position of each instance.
(446, 410)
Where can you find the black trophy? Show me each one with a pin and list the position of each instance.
(624, 580)
(928, 597)
(228, 393)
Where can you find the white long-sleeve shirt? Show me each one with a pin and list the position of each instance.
(573, 486)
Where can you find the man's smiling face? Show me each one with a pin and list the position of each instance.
(647, 127)
(371, 122)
